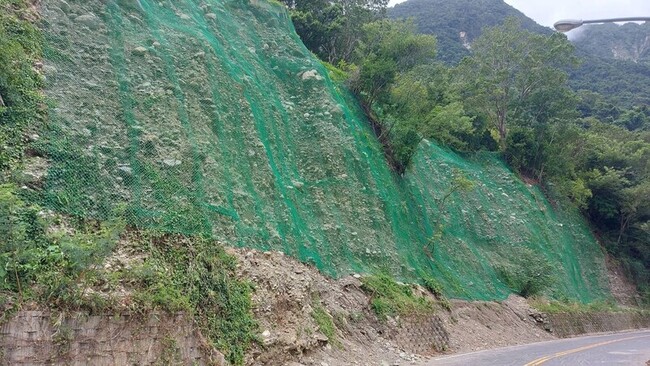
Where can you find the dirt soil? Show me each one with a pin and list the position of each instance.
(287, 292)
(622, 289)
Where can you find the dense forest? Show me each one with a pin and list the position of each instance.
(628, 41)
(614, 59)
(509, 92)
(615, 62)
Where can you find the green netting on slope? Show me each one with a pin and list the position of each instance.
(211, 117)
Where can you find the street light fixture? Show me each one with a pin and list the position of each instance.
(569, 24)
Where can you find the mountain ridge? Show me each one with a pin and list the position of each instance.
(455, 23)
(615, 58)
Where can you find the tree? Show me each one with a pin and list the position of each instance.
(513, 76)
(423, 100)
(386, 49)
(333, 29)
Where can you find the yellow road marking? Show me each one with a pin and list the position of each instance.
(541, 360)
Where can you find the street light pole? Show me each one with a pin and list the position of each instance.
(569, 24)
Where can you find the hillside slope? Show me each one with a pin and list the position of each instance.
(457, 24)
(629, 41)
(615, 58)
(616, 62)
(212, 118)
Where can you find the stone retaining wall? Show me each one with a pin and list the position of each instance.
(39, 338)
(569, 324)
(424, 335)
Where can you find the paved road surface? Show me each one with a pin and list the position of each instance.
(628, 348)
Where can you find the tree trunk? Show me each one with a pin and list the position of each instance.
(2, 102)
(625, 221)
(503, 133)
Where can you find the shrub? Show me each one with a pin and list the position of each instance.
(389, 298)
(531, 275)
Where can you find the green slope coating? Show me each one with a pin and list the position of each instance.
(211, 117)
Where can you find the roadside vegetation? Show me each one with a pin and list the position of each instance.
(65, 265)
(566, 307)
(325, 322)
(390, 298)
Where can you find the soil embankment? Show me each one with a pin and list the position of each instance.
(289, 298)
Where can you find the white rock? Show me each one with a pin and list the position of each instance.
(89, 20)
(311, 75)
(172, 162)
(139, 51)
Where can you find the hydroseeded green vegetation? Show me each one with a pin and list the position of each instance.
(511, 95)
(215, 120)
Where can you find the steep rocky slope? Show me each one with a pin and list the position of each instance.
(629, 41)
(211, 117)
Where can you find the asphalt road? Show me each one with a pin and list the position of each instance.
(628, 348)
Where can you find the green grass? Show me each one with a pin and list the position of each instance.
(554, 307)
(435, 288)
(324, 322)
(53, 261)
(389, 298)
(337, 74)
(196, 275)
(22, 108)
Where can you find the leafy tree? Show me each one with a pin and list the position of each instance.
(513, 74)
(333, 29)
(424, 100)
(388, 51)
(388, 48)
(637, 118)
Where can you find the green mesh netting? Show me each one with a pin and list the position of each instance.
(212, 117)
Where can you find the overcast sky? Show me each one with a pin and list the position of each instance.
(547, 12)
